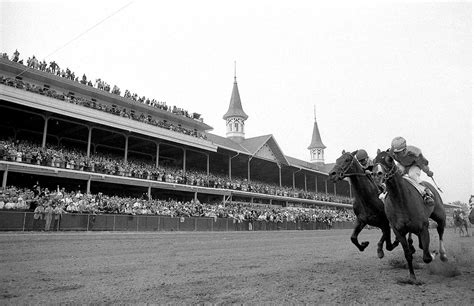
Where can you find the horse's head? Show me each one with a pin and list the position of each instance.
(346, 165)
(384, 167)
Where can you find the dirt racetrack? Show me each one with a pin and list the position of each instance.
(317, 267)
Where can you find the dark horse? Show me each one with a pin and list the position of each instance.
(407, 211)
(460, 221)
(368, 208)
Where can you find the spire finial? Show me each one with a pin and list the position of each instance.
(235, 71)
(314, 112)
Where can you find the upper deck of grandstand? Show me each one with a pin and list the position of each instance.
(49, 80)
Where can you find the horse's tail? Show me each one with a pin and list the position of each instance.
(438, 214)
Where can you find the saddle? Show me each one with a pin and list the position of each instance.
(420, 188)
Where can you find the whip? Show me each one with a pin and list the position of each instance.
(432, 178)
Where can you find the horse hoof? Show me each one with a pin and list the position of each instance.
(363, 245)
(380, 254)
(410, 281)
(443, 257)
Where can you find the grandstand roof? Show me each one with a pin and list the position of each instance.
(323, 168)
(252, 146)
(255, 145)
(235, 105)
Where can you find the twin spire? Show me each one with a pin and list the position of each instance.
(235, 122)
(235, 106)
(316, 147)
(235, 116)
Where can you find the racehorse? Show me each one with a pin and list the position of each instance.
(368, 208)
(407, 212)
(460, 221)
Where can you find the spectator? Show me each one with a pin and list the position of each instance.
(48, 212)
(38, 216)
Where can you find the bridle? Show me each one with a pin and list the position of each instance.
(344, 170)
(388, 174)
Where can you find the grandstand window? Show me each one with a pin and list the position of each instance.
(236, 127)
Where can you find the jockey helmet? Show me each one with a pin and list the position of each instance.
(361, 155)
(398, 144)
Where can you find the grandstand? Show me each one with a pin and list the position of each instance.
(61, 131)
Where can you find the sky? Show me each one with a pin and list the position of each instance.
(371, 70)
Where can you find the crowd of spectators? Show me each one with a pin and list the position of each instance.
(74, 159)
(108, 108)
(53, 68)
(61, 201)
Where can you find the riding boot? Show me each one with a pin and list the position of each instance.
(428, 197)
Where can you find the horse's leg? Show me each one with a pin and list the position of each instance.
(407, 251)
(380, 253)
(357, 229)
(424, 237)
(388, 238)
(410, 244)
(439, 216)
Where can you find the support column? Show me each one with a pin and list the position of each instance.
(248, 170)
(207, 166)
(293, 179)
(125, 156)
(88, 186)
(335, 185)
(230, 167)
(5, 177)
(279, 173)
(45, 131)
(305, 185)
(184, 160)
(149, 192)
(157, 154)
(89, 140)
(326, 186)
(350, 189)
(195, 196)
(316, 183)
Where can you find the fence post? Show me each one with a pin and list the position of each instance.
(159, 222)
(24, 221)
(195, 224)
(137, 221)
(113, 229)
(212, 225)
(87, 229)
(227, 225)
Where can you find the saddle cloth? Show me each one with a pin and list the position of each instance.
(419, 187)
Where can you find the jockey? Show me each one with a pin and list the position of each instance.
(367, 164)
(364, 160)
(411, 161)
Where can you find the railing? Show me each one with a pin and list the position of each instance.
(24, 221)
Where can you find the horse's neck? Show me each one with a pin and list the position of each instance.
(397, 190)
(364, 187)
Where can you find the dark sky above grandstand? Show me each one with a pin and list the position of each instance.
(373, 70)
